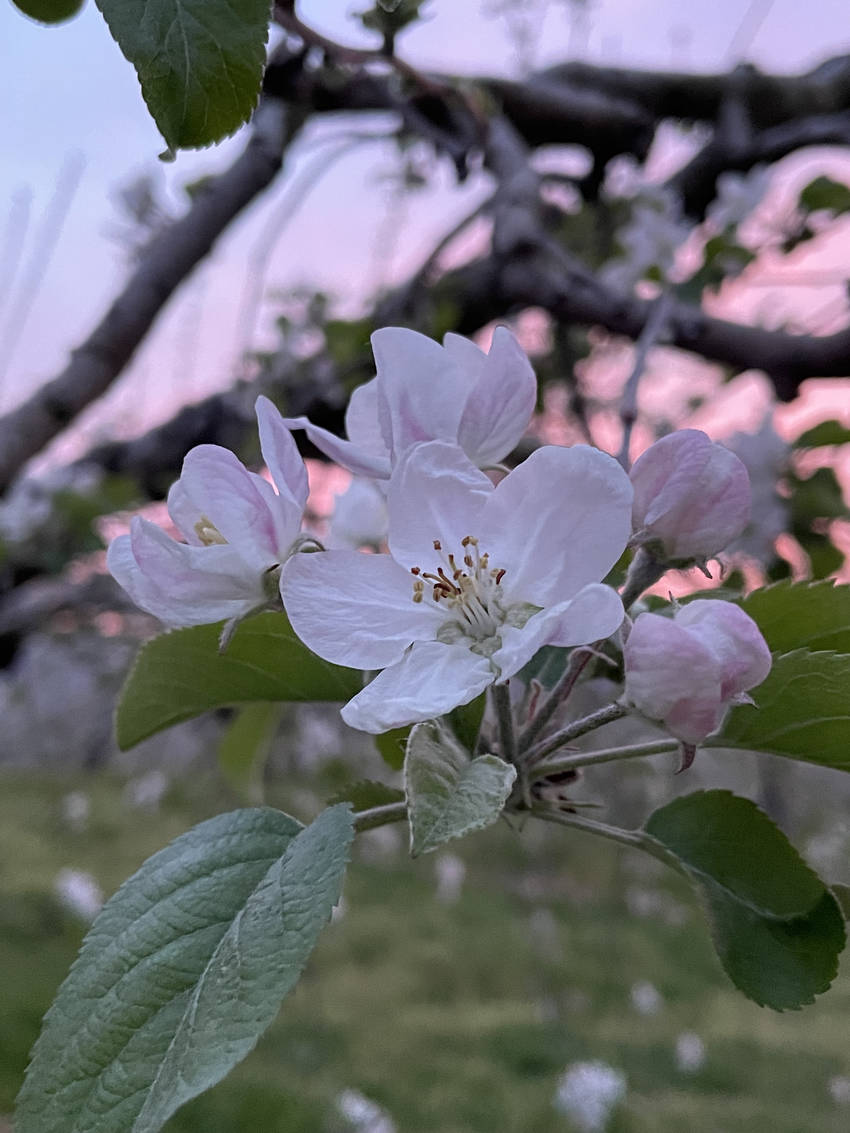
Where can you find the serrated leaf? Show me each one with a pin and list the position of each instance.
(392, 746)
(728, 840)
(825, 433)
(181, 674)
(449, 795)
(795, 615)
(199, 62)
(841, 893)
(183, 970)
(801, 711)
(367, 793)
(245, 746)
(777, 930)
(49, 11)
(781, 964)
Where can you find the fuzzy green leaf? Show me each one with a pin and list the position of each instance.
(49, 11)
(199, 62)
(448, 794)
(183, 970)
(797, 615)
(182, 674)
(802, 711)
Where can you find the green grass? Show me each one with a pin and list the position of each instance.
(455, 1018)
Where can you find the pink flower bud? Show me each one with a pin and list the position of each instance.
(687, 670)
(692, 497)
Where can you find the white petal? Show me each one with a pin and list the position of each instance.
(354, 609)
(179, 584)
(594, 614)
(430, 680)
(557, 522)
(360, 516)
(356, 459)
(184, 514)
(420, 391)
(469, 358)
(281, 454)
(500, 404)
(435, 493)
(361, 420)
(222, 489)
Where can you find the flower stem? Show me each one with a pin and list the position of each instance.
(507, 735)
(577, 728)
(379, 816)
(635, 839)
(604, 755)
(559, 693)
(644, 572)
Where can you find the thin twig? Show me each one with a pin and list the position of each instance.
(652, 330)
(379, 816)
(634, 839)
(507, 735)
(557, 696)
(604, 755)
(572, 731)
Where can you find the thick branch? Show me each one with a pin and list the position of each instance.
(165, 263)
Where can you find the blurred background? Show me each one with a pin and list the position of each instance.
(562, 166)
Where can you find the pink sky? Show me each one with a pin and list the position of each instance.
(68, 91)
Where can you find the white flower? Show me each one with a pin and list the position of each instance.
(687, 670)
(588, 1093)
(424, 392)
(737, 195)
(360, 516)
(239, 531)
(79, 892)
(477, 580)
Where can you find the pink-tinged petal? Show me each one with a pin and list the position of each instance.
(435, 493)
(281, 454)
(734, 639)
(665, 664)
(594, 614)
(184, 515)
(223, 490)
(361, 421)
(469, 358)
(351, 456)
(557, 522)
(693, 719)
(355, 609)
(500, 404)
(430, 680)
(179, 584)
(420, 391)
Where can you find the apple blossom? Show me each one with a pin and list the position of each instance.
(238, 532)
(687, 670)
(692, 497)
(477, 580)
(423, 392)
(360, 516)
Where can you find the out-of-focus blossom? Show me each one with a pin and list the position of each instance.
(687, 670)
(362, 1114)
(360, 516)
(692, 497)
(690, 1053)
(588, 1094)
(238, 531)
(79, 893)
(650, 240)
(766, 457)
(646, 998)
(477, 580)
(426, 392)
(737, 195)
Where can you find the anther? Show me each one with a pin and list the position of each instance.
(438, 546)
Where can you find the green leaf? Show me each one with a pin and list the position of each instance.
(793, 615)
(183, 971)
(49, 11)
(781, 964)
(182, 674)
(826, 433)
(824, 193)
(367, 793)
(819, 496)
(465, 721)
(726, 839)
(199, 62)
(802, 711)
(448, 794)
(245, 746)
(777, 929)
(392, 746)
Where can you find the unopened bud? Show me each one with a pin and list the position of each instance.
(687, 670)
(692, 497)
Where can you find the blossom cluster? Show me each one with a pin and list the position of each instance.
(461, 571)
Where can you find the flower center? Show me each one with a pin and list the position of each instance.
(470, 593)
(208, 533)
